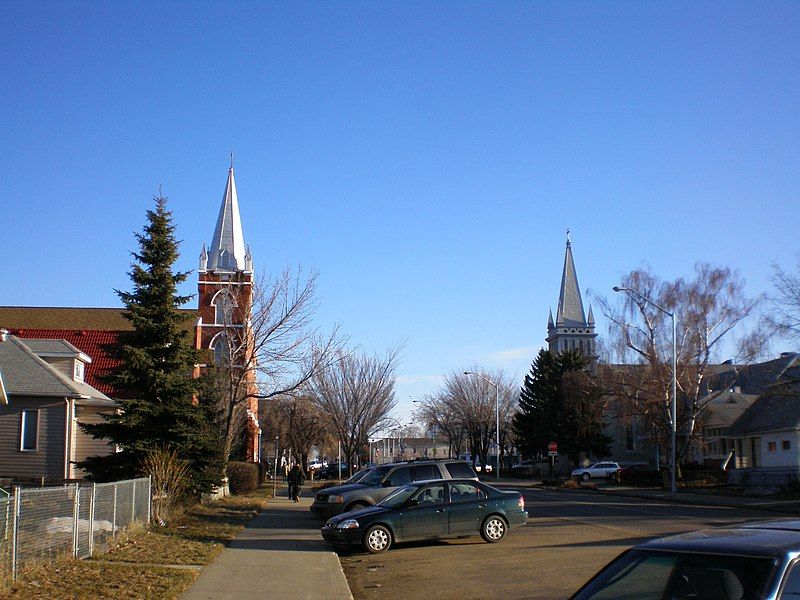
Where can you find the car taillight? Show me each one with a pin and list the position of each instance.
(521, 502)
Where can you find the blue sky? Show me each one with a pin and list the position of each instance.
(425, 158)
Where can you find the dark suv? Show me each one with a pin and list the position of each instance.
(380, 481)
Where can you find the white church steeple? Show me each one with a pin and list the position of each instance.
(227, 251)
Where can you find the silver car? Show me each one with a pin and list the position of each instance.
(600, 469)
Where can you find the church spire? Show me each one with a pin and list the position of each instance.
(571, 330)
(227, 251)
(570, 305)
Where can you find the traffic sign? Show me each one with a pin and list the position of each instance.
(552, 453)
(552, 447)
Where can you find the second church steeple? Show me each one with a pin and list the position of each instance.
(571, 329)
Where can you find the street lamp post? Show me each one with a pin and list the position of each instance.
(399, 427)
(275, 472)
(673, 404)
(432, 430)
(496, 416)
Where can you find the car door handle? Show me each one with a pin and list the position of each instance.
(440, 510)
(481, 506)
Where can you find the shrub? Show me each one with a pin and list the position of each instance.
(242, 477)
(169, 480)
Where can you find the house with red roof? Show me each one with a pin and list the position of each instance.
(225, 280)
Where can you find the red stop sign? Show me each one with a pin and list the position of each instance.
(552, 446)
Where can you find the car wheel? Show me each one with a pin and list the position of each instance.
(493, 529)
(586, 477)
(377, 539)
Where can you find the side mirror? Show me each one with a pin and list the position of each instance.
(387, 483)
(413, 502)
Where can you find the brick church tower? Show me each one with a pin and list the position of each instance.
(224, 300)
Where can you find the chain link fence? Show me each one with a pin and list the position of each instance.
(41, 523)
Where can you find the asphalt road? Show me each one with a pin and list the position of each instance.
(570, 534)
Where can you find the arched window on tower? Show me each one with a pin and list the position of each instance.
(221, 348)
(224, 306)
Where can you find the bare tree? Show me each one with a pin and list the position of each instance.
(784, 316)
(274, 353)
(298, 421)
(465, 408)
(356, 392)
(710, 309)
(437, 414)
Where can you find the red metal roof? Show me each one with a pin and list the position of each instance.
(93, 343)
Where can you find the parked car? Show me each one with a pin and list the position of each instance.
(741, 562)
(525, 465)
(485, 469)
(380, 481)
(600, 469)
(641, 474)
(429, 510)
(332, 471)
(316, 465)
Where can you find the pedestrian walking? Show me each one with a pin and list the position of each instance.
(296, 478)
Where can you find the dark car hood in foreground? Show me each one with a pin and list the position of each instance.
(757, 539)
(360, 513)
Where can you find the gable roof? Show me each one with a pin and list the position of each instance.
(93, 331)
(56, 348)
(96, 344)
(725, 408)
(26, 374)
(771, 412)
(757, 378)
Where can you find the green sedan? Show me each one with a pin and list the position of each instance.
(429, 510)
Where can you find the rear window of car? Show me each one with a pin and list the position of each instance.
(464, 492)
(644, 574)
(460, 470)
(424, 472)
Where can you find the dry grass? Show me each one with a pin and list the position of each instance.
(69, 579)
(194, 538)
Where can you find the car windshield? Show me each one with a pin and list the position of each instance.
(653, 575)
(375, 475)
(358, 476)
(399, 496)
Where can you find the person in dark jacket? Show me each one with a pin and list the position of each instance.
(296, 478)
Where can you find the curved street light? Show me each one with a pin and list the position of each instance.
(673, 404)
(399, 427)
(496, 415)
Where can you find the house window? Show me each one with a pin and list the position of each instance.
(29, 430)
(79, 370)
(772, 446)
(786, 445)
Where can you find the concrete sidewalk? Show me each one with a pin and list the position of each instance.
(279, 555)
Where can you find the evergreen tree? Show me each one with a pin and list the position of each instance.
(558, 404)
(160, 407)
